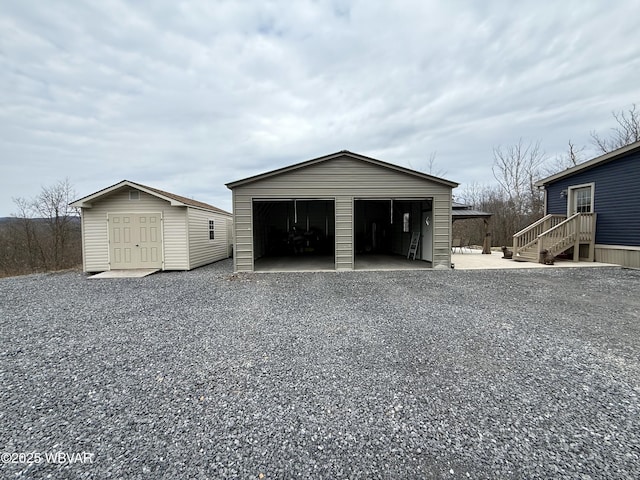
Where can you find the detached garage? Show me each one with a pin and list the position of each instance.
(340, 212)
(132, 226)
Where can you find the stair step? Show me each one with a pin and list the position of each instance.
(526, 257)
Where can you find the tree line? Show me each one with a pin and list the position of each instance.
(514, 200)
(44, 233)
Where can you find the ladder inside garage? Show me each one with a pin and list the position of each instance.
(413, 246)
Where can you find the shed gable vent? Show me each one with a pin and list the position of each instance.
(134, 195)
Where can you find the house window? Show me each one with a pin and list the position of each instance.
(406, 224)
(134, 195)
(582, 199)
(212, 229)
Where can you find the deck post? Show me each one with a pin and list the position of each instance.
(540, 248)
(592, 238)
(577, 229)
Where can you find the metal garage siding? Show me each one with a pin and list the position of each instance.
(442, 229)
(342, 178)
(344, 233)
(243, 228)
(96, 237)
(202, 250)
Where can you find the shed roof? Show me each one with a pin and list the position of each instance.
(602, 159)
(460, 211)
(172, 198)
(332, 156)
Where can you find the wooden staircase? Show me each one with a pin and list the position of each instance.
(557, 234)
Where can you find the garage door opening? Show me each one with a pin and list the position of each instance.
(383, 229)
(294, 235)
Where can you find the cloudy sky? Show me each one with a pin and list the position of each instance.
(189, 95)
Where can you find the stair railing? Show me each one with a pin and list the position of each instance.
(561, 236)
(528, 236)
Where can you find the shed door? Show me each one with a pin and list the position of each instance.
(135, 240)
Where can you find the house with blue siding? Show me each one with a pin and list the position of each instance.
(601, 195)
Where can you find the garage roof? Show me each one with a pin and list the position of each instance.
(175, 200)
(342, 153)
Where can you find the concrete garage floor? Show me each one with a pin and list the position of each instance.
(315, 263)
(327, 263)
(469, 260)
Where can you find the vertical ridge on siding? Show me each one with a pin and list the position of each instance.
(243, 226)
(442, 230)
(344, 233)
(619, 255)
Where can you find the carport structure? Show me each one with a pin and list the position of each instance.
(342, 211)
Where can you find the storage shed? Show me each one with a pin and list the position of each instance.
(338, 211)
(131, 226)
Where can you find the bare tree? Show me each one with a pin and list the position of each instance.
(432, 169)
(572, 157)
(491, 199)
(53, 206)
(515, 202)
(45, 232)
(626, 132)
(516, 169)
(22, 240)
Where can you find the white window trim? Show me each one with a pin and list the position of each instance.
(570, 196)
(209, 221)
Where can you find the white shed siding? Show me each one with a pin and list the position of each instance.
(202, 250)
(96, 236)
(95, 240)
(176, 255)
(344, 179)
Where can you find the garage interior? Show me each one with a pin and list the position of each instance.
(299, 234)
(383, 229)
(294, 234)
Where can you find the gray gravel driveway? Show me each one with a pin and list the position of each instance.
(419, 374)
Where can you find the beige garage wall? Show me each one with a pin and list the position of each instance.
(343, 178)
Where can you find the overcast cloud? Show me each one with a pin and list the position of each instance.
(187, 96)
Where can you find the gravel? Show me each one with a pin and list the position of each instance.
(436, 374)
